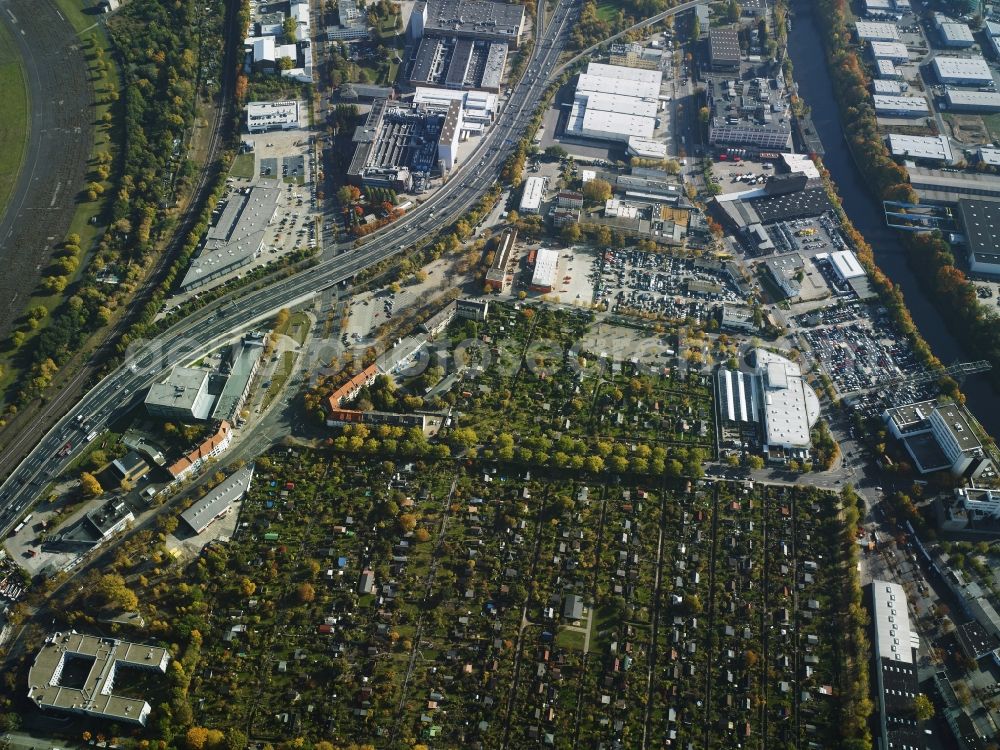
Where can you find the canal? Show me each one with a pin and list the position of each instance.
(805, 45)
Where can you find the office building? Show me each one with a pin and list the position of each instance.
(964, 71)
(938, 436)
(894, 649)
(748, 114)
(93, 695)
(468, 19)
(237, 237)
(264, 116)
(451, 130)
(980, 224)
(353, 24)
(219, 500)
(239, 368)
(633, 55)
(472, 309)
(96, 526)
(543, 278)
(183, 396)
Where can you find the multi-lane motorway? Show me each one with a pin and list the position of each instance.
(200, 331)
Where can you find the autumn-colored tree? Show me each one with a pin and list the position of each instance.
(306, 592)
(89, 484)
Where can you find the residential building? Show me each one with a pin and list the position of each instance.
(209, 449)
(498, 274)
(350, 390)
(472, 309)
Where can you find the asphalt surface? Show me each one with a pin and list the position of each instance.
(59, 143)
(125, 388)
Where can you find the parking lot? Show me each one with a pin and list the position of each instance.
(858, 354)
(671, 286)
(739, 177)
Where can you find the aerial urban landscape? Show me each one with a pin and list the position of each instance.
(599, 374)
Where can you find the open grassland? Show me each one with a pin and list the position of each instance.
(14, 123)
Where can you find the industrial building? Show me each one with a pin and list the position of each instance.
(988, 155)
(846, 265)
(980, 224)
(531, 198)
(869, 31)
(237, 236)
(883, 86)
(468, 19)
(615, 103)
(94, 696)
(790, 406)
(219, 500)
(96, 526)
(972, 101)
(724, 49)
(264, 116)
(497, 276)
(938, 186)
(938, 436)
(894, 650)
(887, 69)
(900, 106)
(921, 148)
(182, 397)
(543, 279)
(964, 71)
(633, 55)
(894, 51)
(459, 63)
(951, 33)
(739, 396)
(451, 131)
(396, 147)
(748, 114)
(478, 107)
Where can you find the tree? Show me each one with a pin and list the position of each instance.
(597, 191)
(237, 740)
(571, 233)
(555, 152)
(408, 522)
(286, 63)
(756, 462)
(196, 738)
(923, 707)
(733, 11)
(89, 484)
(111, 589)
(247, 586)
(306, 592)
(10, 722)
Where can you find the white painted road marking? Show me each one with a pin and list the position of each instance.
(12, 16)
(56, 194)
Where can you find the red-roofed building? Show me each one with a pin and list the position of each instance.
(211, 448)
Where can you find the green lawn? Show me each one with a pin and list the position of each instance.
(607, 11)
(14, 123)
(243, 166)
(992, 123)
(570, 639)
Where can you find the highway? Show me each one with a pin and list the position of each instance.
(196, 334)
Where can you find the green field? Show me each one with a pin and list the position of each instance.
(607, 11)
(14, 123)
(243, 166)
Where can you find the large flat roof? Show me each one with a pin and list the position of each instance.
(95, 697)
(889, 103)
(183, 389)
(588, 82)
(218, 501)
(954, 419)
(791, 407)
(981, 225)
(921, 146)
(889, 50)
(624, 73)
(534, 188)
(967, 68)
(618, 103)
(893, 637)
(977, 99)
(847, 264)
(873, 30)
(475, 17)
(545, 268)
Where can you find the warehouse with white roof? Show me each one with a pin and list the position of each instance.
(972, 101)
(887, 105)
(887, 69)
(930, 148)
(791, 406)
(879, 32)
(544, 277)
(970, 71)
(894, 51)
(847, 265)
(615, 103)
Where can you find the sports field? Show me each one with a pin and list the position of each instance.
(14, 123)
